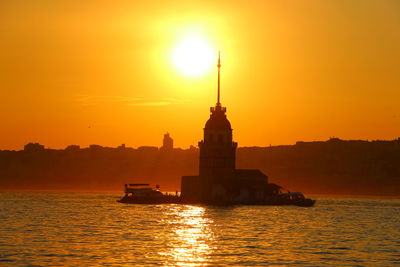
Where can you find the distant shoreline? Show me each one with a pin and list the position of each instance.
(38, 146)
(337, 167)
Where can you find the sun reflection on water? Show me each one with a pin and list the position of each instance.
(54, 229)
(191, 236)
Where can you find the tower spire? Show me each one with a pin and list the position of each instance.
(219, 68)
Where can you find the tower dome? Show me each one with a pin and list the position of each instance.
(218, 120)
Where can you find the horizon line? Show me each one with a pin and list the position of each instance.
(122, 146)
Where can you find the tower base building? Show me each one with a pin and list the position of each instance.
(219, 181)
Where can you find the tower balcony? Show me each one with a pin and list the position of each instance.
(217, 108)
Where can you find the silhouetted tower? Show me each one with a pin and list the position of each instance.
(218, 180)
(168, 143)
(217, 150)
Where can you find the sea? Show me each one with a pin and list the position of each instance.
(92, 229)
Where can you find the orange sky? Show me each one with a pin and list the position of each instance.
(99, 72)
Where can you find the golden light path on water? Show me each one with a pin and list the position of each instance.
(92, 229)
(192, 235)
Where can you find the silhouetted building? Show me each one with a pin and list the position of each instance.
(121, 147)
(33, 147)
(218, 179)
(95, 147)
(168, 143)
(192, 148)
(72, 148)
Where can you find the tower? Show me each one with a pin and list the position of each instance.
(218, 180)
(168, 143)
(217, 150)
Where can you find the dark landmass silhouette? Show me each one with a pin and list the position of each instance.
(353, 167)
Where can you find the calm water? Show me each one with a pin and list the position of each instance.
(88, 229)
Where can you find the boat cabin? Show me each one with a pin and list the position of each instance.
(141, 190)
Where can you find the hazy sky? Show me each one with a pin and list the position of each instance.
(100, 72)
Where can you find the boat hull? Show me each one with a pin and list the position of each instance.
(151, 200)
(178, 200)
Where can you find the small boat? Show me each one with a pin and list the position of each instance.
(295, 198)
(144, 194)
(306, 202)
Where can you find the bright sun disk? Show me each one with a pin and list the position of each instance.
(193, 56)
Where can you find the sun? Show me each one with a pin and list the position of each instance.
(193, 56)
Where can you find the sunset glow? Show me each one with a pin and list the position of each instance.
(193, 55)
(133, 70)
(199, 133)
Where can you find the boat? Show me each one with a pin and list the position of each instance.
(295, 198)
(144, 194)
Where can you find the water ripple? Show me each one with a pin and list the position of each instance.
(75, 229)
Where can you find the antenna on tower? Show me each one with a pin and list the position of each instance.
(219, 68)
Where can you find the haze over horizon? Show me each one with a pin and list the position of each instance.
(111, 73)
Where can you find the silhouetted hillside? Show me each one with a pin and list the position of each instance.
(334, 166)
